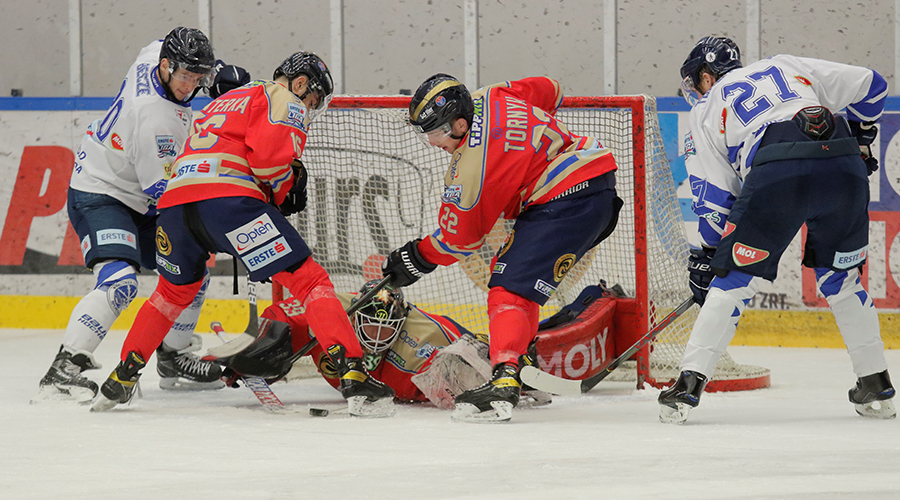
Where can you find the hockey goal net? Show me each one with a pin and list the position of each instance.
(374, 186)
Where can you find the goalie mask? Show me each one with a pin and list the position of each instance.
(379, 322)
(318, 78)
(189, 49)
(437, 103)
(714, 54)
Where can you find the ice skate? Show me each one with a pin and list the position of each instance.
(366, 397)
(64, 381)
(872, 396)
(181, 370)
(676, 402)
(121, 384)
(493, 401)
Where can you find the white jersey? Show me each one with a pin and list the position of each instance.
(128, 154)
(727, 124)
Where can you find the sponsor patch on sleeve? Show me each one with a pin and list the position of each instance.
(204, 167)
(165, 146)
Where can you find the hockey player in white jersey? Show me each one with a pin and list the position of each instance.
(121, 169)
(765, 155)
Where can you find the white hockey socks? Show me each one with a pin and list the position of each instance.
(856, 318)
(96, 312)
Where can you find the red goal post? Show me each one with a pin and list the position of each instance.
(373, 186)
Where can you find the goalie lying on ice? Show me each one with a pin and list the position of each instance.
(421, 356)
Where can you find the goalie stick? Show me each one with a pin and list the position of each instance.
(258, 385)
(557, 385)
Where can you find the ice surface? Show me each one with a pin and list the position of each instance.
(799, 439)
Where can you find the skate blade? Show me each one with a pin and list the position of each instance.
(357, 406)
(102, 403)
(884, 410)
(500, 412)
(534, 399)
(71, 394)
(183, 384)
(678, 415)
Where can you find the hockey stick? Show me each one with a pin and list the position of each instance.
(556, 385)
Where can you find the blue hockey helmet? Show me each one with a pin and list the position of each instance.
(439, 101)
(714, 54)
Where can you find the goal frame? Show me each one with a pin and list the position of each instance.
(637, 104)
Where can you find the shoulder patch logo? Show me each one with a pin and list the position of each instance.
(744, 255)
(729, 228)
(803, 80)
(116, 141)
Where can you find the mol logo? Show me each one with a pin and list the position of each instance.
(744, 255)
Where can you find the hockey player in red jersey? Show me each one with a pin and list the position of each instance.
(241, 162)
(511, 158)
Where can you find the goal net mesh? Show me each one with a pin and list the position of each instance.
(374, 186)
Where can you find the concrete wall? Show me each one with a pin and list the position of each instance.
(382, 46)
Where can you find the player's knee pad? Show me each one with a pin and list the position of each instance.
(119, 280)
(308, 282)
(838, 286)
(502, 300)
(170, 299)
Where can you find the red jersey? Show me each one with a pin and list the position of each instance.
(422, 337)
(516, 154)
(242, 144)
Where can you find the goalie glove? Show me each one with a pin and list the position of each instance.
(406, 265)
(295, 200)
(700, 272)
(228, 77)
(865, 133)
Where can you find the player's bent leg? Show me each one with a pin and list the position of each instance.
(89, 323)
(177, 366)
(513, 324)
(309, 283)
(857, 321)
(712, 332)
(153, 321)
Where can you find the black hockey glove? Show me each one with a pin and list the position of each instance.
(406, 265)
(701, 273)
(865, 133)
(295, 201)
(228, 77)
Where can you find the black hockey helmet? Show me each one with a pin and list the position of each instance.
(379, 322)
(189, 48)
(716, 54)
(437, 102)
(317, 74)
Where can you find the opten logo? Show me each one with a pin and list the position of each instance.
(253, 234)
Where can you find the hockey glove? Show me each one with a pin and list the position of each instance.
(406, 265)
(228, 77)
(295, 201)
(700, 272)
(865, 133)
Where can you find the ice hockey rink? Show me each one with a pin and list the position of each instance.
(799, 439)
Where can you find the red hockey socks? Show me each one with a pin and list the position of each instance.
(513, 324)
(157, 316)
(324, 313)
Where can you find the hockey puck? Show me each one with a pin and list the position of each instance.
(318, 412)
